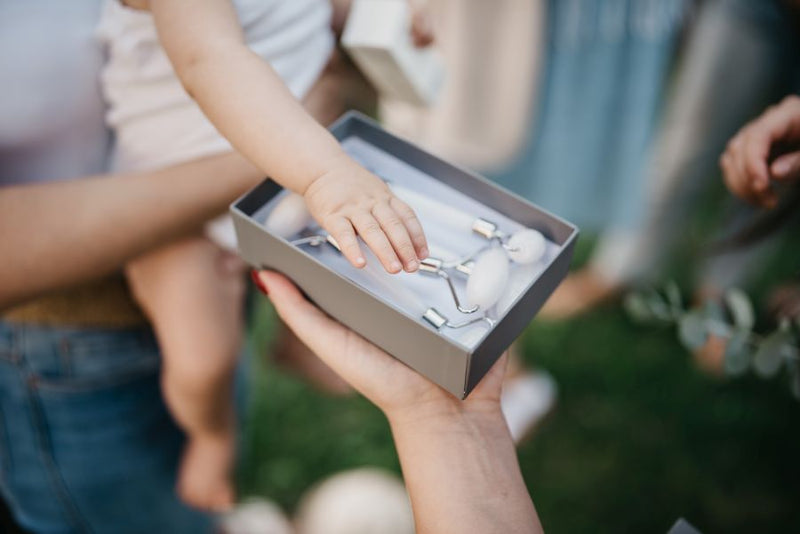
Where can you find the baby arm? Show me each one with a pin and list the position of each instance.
(249, 104)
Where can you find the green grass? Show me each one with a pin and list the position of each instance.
(638, 439)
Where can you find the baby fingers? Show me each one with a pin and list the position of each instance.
(413, 226)
(345, 236)
(376, 239)
(399, 236)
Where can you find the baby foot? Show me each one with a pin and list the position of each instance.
(204, 479)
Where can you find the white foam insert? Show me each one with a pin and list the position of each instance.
(415, 292)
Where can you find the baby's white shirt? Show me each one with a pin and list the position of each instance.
(156, 123)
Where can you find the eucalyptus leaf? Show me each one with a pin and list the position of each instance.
(785, 324)
(716, 321)
(636, 307)
(658, 306)
(794, 378)
(713, 310)
(673, 293)
(772, 352)
(741, 309)
(738, 353)
(692, 330)
(719, 328)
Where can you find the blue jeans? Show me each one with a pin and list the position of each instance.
(86, 442)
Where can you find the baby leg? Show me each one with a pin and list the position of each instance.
(193, 291)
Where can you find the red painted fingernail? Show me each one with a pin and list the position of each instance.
(258, 282)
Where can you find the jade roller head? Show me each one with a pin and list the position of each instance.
(488, 278)
(289, 216)
(526, 246)
(523, 247)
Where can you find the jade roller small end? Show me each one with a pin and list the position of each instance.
(289, 217)
(488, 278)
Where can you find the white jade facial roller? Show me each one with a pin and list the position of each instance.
(289, 216)
(524, 247)
(487, 276)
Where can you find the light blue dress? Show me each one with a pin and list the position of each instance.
(600, 93)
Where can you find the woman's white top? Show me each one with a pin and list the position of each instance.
(155, 121)
(51, 110)
(157, 124)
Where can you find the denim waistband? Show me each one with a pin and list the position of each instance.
(60, 352)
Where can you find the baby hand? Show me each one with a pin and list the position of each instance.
(348, 200)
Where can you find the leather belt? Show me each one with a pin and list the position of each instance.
(105, 303)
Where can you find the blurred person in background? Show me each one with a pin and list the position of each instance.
(557, 100)
(591, 136)
(710, 98)
(712, 95)
(87, 442)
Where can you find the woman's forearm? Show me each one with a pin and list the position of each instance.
(63, 233)
(462, 474)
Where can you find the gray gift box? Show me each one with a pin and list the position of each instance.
(335, 287)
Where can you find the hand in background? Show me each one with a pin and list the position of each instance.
(348, 200)
(747, 162)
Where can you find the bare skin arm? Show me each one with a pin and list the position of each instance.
(251, 106)
(458, 458)
(59, 234)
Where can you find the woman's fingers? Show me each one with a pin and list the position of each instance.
(329, 340)
(373, 372)
(786, 167)
(311, 325)
(755, 150)
(733, 169)
(397, 232)
(373, 235)
(345, 236)
(744, 165)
